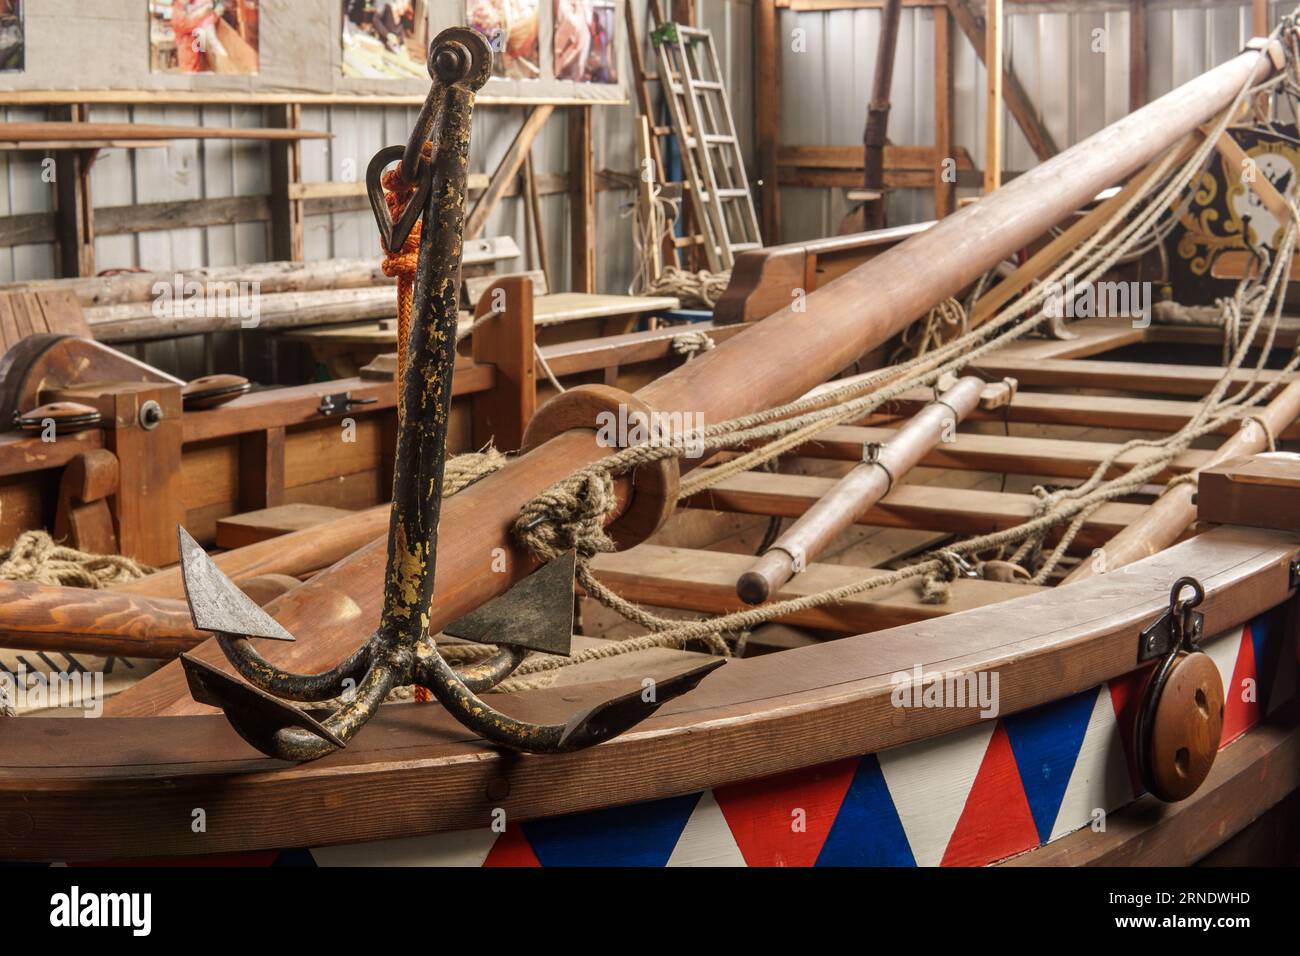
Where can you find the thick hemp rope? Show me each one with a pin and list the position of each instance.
(35, 556)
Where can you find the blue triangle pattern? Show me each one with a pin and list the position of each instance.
(1045, 741)
(643, 834)
(1265, 636)
(867, 830)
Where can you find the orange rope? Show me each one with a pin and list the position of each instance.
(402, 263)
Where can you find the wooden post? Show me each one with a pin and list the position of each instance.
(74, 209)
(261, 469)
(767, 117)
(993, 99)
(287, 232)
(1137, 54)
(1022, 110)
(506, 342)
(582, 201)
(944, 191)
(1259, 17)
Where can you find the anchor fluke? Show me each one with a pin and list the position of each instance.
(257, 716)
(216, 603)
(612, 717)
(536, 614)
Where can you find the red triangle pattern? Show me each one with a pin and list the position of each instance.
(996, 822)
(512, 849)
(1126, 697)
(1240, 715)
(762, 813)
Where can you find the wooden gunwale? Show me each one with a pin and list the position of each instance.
(122, 787)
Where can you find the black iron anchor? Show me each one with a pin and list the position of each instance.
(534, 615)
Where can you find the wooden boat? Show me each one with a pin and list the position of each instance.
(812, 733)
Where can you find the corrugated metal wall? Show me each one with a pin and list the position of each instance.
(1077, 91)
(825, 91)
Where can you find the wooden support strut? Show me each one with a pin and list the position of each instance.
(858, 491)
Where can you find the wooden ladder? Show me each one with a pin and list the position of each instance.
(706, 132)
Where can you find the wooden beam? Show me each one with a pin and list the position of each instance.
(506, 342)
(1137, 54)
(1051, 457)
(694, 580)
(767, 117)
(1018, 102)
(74, 216)
(925, 507)
(1145, 377)
(507, 170)
(582, 202)
(945, 192)
(288, 239)
(1259, 18)
(261, 469)
(993, 95)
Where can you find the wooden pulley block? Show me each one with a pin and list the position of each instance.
(617, 415)
(1176, 735)
(1186, 726)
(213, 390)
(67, 417)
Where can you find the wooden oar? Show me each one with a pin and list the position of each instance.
(858, 491)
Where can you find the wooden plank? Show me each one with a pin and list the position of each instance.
(993, 95)
(261, 469)
(1022, 109)
(1145, 377)
(238, 531)
(288, 239)
(945, 192)
(506, 341)
(1012, 454)
(53, 130)
(694, 580)
(1089, 411)
(582, 202)
(1137, 54)
(767, 117)
(589, 355)
(507, 170)
(74, 208)
(959, 511)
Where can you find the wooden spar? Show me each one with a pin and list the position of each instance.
(73, 132)
(42, 617)
(857, 492)
(1175, 510)
(748, 373)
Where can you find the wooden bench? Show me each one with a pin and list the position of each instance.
(763, 281)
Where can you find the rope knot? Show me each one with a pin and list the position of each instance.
(569, 516)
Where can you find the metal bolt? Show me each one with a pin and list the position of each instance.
(151, 415)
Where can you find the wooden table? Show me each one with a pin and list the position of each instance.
(568, 316)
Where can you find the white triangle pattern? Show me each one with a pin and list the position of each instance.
(929, 782)
(1100, 778)
(707, 839)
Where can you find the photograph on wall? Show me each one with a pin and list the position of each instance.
(386, 39)
(511, 26)
(584, 41)
(203, 36)
(11, 36)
